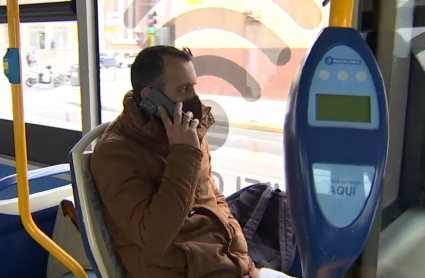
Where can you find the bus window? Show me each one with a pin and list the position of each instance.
(245, 56)
(49, 53)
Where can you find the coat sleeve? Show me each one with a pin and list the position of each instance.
(149, 215)
(223, 206)
(221, 200)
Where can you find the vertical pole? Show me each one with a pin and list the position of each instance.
(12, 69)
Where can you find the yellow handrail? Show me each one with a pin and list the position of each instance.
(13, 21)
(341, 13)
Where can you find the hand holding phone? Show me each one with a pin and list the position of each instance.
(153, 100)
(183, 129)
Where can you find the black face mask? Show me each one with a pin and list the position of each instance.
(193, 105)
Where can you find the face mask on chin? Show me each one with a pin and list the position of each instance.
(193, 105)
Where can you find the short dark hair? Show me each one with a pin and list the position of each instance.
(148, 65)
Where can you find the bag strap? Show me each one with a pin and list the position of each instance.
(286, 237)
(256, 216)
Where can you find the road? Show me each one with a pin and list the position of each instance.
(239, 156)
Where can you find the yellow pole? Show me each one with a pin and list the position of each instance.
(341, 14)
(13, 21)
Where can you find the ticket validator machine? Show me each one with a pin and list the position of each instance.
(336, 138)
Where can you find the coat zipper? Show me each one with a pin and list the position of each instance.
(228, 242)
(232, 257)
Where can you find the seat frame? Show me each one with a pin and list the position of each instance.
(88, 206)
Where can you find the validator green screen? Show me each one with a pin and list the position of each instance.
(343, 108)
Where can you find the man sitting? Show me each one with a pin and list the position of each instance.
(162, 207)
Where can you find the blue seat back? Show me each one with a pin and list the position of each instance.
(20, 255)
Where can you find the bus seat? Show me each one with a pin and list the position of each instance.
(20, 255)
(97, 243)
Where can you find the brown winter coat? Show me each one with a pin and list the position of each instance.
(162, 207)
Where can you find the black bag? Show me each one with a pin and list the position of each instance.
(263, 215)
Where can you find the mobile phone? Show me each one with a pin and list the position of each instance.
(153, 100)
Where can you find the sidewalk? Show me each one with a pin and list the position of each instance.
(262, 115)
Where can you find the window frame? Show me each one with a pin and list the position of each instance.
(43, 12)
(49, 145)
(370, 22)
(397, 75)
(411, 180)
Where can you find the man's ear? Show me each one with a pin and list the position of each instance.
(145, 91)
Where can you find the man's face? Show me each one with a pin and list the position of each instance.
(179, 79)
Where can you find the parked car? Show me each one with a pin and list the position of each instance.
(107, 60)
(129, 59)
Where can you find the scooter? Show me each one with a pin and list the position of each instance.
(64, 75)
(31, 77)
